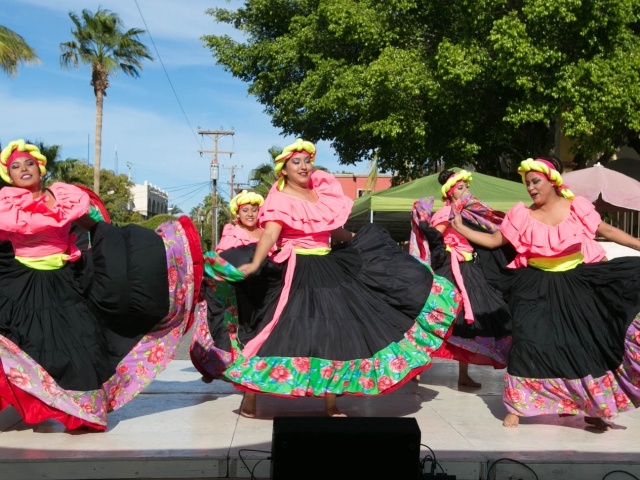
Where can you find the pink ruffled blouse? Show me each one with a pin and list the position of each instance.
(306, 224)
(451, 238)
(36, 230)
(234, 236)
(534, 239)
(460, 250)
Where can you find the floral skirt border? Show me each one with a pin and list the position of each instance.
(380, 374)
(24, 380)
(605, 397)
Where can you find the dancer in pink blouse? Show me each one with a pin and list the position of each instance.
(211, 350)
(82, 333)
(244, 230)
(576, 327)
(359, 318)
(482, 332)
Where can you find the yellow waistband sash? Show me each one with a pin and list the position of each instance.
(50, 262)
(468, 256)
(558, 264)
(312, 251)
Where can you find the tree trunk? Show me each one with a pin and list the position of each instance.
(98, 145)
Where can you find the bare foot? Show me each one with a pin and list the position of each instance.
(597, 423)
(469, 383)
(416, 378)
(464, 380)
(248, 407)
(511, 421)
(331, 408)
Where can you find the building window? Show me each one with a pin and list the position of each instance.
(363, 191)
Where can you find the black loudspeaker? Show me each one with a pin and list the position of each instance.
(350, 448)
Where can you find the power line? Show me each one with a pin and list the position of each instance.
(167, 75)
(189, 195)
(184, 187)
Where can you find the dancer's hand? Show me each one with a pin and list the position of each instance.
(456, 221)
(248, 268)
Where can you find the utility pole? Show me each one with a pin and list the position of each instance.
(232, 180)
(216, 134)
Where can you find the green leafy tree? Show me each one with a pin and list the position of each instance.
(14, 51)
(155, 221)
(202, 216)
(415, 85)
(99, 40)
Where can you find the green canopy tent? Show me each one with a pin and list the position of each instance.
(392, 207)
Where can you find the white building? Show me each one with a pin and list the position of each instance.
(149, 200)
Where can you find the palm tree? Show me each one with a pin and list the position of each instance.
(262, 178)
(14, 51)
(99, 41)
(175, 210)
(52, 154)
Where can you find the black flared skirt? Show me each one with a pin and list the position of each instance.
(79, 321)
(571, 324)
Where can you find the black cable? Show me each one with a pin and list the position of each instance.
(180, 200)
(257, 463)
(189, 185)
(620, 471)
(510, 460)
(167, 75)
(431, 458)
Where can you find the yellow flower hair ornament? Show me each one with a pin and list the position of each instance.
(298, 146)
(20, 149)
(548, 170)
(245, 198)
(461, 176)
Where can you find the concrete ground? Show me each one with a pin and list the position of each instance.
(182, 428)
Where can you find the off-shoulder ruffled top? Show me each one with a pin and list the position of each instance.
(308, 224)
(34, 229)
(532, 238)
(450, 237)
(234, 236)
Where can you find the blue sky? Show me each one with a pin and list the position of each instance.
(150, 124)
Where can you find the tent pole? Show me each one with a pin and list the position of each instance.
(371, 216)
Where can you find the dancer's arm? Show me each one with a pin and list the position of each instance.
(341, 235)
(85, 222)
(484, 239)
(618, 236)
(267, 240)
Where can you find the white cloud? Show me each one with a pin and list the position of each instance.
(144, 122)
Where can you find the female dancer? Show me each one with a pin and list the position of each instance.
(575, 332)
(82, 333)
(361, 318)
(482, 332)
(211, 350)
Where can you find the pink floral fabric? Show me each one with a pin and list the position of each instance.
(135, 372)
(604, 397)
